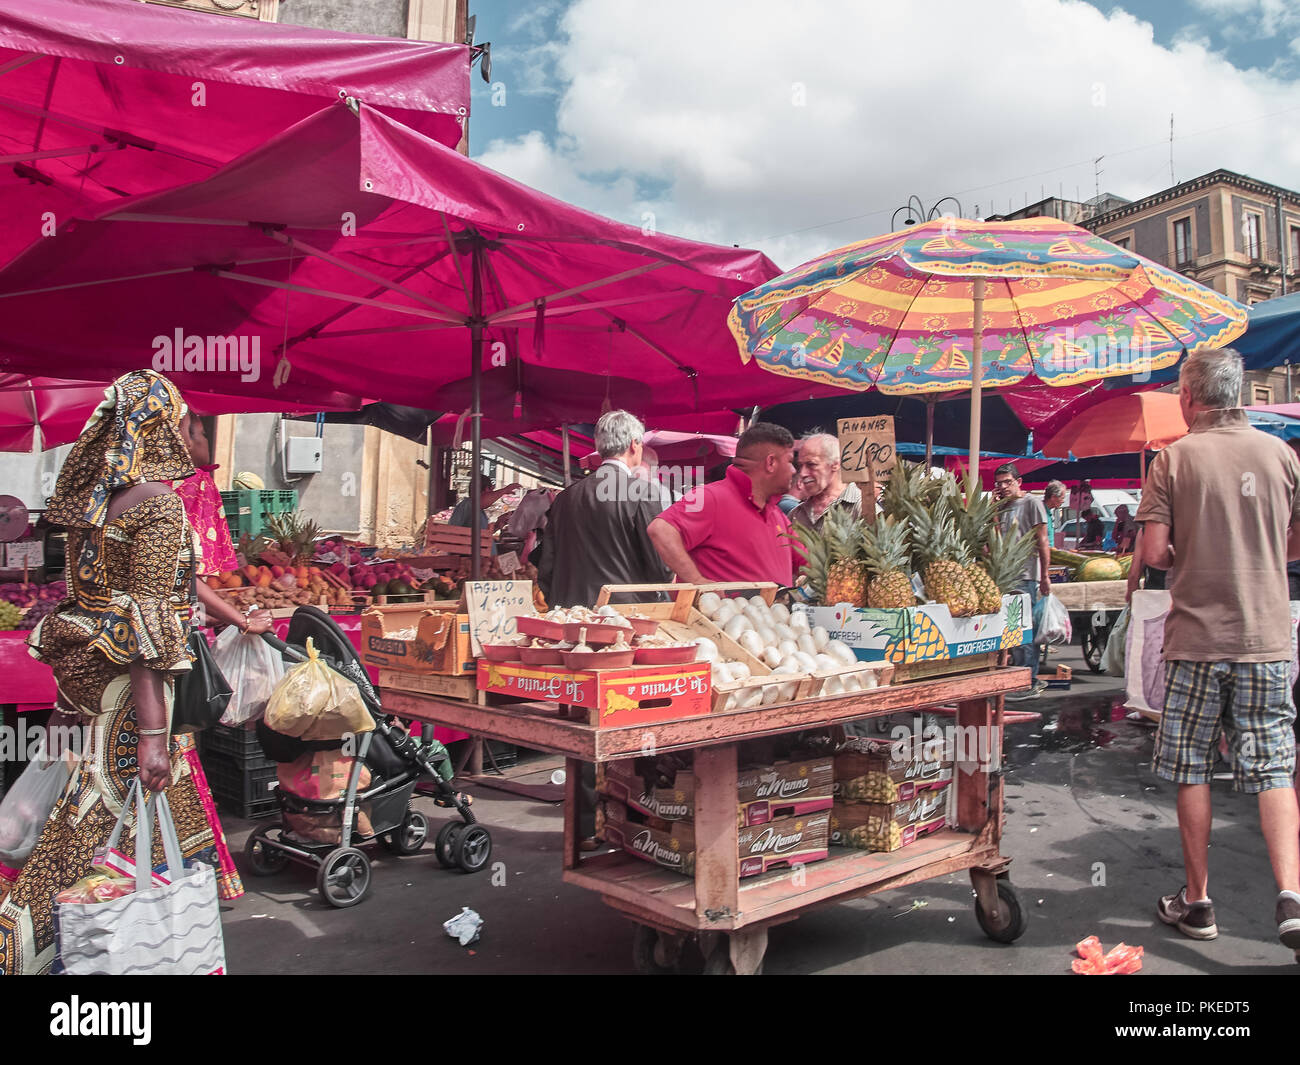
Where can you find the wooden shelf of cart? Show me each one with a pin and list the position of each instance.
(730, 915)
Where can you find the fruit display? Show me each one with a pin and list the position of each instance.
(10, 616)
(277, 587)
(928, 528)
(1093, 567)
(30, 601)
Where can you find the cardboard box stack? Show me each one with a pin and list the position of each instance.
(783, 810)
(886, 797)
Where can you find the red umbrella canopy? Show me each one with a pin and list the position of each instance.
(1124, 425)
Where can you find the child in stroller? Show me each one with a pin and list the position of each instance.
(396, 762)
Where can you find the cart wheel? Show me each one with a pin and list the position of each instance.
(409, 837)
(653, 952)
(1093, 642)
(472, 848)
(264, 860)
(1011, 923)
(445, 841)
(719, 962)
(344, 877)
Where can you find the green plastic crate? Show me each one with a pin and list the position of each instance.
(247, 509)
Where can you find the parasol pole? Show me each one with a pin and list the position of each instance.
(976, 377)
(564, 446)
(929, 433)
(476, 412)
(1142, 467)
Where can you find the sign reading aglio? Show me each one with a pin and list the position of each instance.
(187, 353)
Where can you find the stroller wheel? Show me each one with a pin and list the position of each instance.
(264, 860)
(410, 836)
(344, 877)
(472, 848)
(444, 843)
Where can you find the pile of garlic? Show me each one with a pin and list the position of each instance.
(581, 615)
(783, 641)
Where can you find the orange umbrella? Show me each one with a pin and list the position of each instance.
(1138, 422)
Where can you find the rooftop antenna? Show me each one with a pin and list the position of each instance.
(1172, 181)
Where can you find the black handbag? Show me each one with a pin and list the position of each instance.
(202, 694)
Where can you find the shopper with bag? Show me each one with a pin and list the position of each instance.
(203, 511)
(115, 646)
(1018, 512)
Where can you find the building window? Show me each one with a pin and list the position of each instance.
(1261, 395)
(1123, 242)
(1251, 224)
(1183, 242)
(1295, 249)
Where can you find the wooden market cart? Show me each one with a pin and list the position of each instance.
(1094, 607)
(732, 916)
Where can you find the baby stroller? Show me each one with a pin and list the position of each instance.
(397, 763)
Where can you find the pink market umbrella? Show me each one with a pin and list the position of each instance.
(106, 99)
(443, 250)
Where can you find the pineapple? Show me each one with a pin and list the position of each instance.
(943, 557)
(1005, 561)
(888, 558)
(835, 569)
(293, 534)
(975, 523)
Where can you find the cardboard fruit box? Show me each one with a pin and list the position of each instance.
(925, 633)
(888, 826)
(615, 697)
(867, 771)
(619, 781)
(783, 843)
(441, 643)
(671, 846)
(784, 789)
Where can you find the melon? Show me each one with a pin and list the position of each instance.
(1100, 569)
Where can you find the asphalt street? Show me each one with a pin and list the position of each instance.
(1091, 829)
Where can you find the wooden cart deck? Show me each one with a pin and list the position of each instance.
(731, 915)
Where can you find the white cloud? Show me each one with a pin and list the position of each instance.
(1263, 17)
(763, 122)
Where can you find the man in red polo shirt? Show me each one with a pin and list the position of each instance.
(733, 529)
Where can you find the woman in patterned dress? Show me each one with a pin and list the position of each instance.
(115, 645)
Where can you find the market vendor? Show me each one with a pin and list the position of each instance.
(487, 496)
(1018, 513)
(822, 482)
(733, 529)
(596, 533)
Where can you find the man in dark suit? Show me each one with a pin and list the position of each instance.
(596, 529)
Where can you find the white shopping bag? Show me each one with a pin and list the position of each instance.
(252, 668)
(169, 930)
(1144, 662)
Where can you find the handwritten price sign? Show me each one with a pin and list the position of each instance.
(867, 448)
(493, 606)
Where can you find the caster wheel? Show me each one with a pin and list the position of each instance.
(1093, 645)
(344, 877)
(445, 841)
(653, 953)
(263, 859)
(472, 848)
(1011, 921)
(411, 836)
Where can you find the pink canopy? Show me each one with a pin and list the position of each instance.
(353, 251)
(106, 99)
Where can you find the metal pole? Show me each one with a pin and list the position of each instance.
(929, 432)
(976, 380)
(564, 446)
(1281, 255)
(476, 411)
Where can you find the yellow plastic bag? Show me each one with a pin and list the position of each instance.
(312, 702)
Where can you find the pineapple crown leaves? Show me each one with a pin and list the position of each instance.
(887, 547)
(934, 533)
(1007, 556)
(975, 519)
(840, 537)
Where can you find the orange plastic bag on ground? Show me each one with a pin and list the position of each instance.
(1122, 961)
(312, 702)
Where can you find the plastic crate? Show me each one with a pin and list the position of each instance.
(237, 742)
(247, 510)
(242, 788)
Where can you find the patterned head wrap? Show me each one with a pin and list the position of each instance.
(133, 437)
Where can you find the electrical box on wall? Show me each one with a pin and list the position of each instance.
(303, 454)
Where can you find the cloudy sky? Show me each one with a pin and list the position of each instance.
(799, 126)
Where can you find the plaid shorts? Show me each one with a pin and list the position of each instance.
(1249, 701)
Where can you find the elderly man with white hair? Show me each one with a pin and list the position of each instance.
(1221, 510)
(823, 486)
(596, 529)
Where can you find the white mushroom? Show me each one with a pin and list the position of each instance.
(727, 610)
(758, 601)
(705, 650)
(821, 637)
(841, 651)
(787, 646)
(799, 622)
(806, 644)
(751, 642)
(771, 694)
(780, 613)
(807, 663)
(772, 657)
(709, 604)
(740, 671)
(722, 673)
(827, 664)
(736, 626)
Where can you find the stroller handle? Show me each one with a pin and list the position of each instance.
(283, 648)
